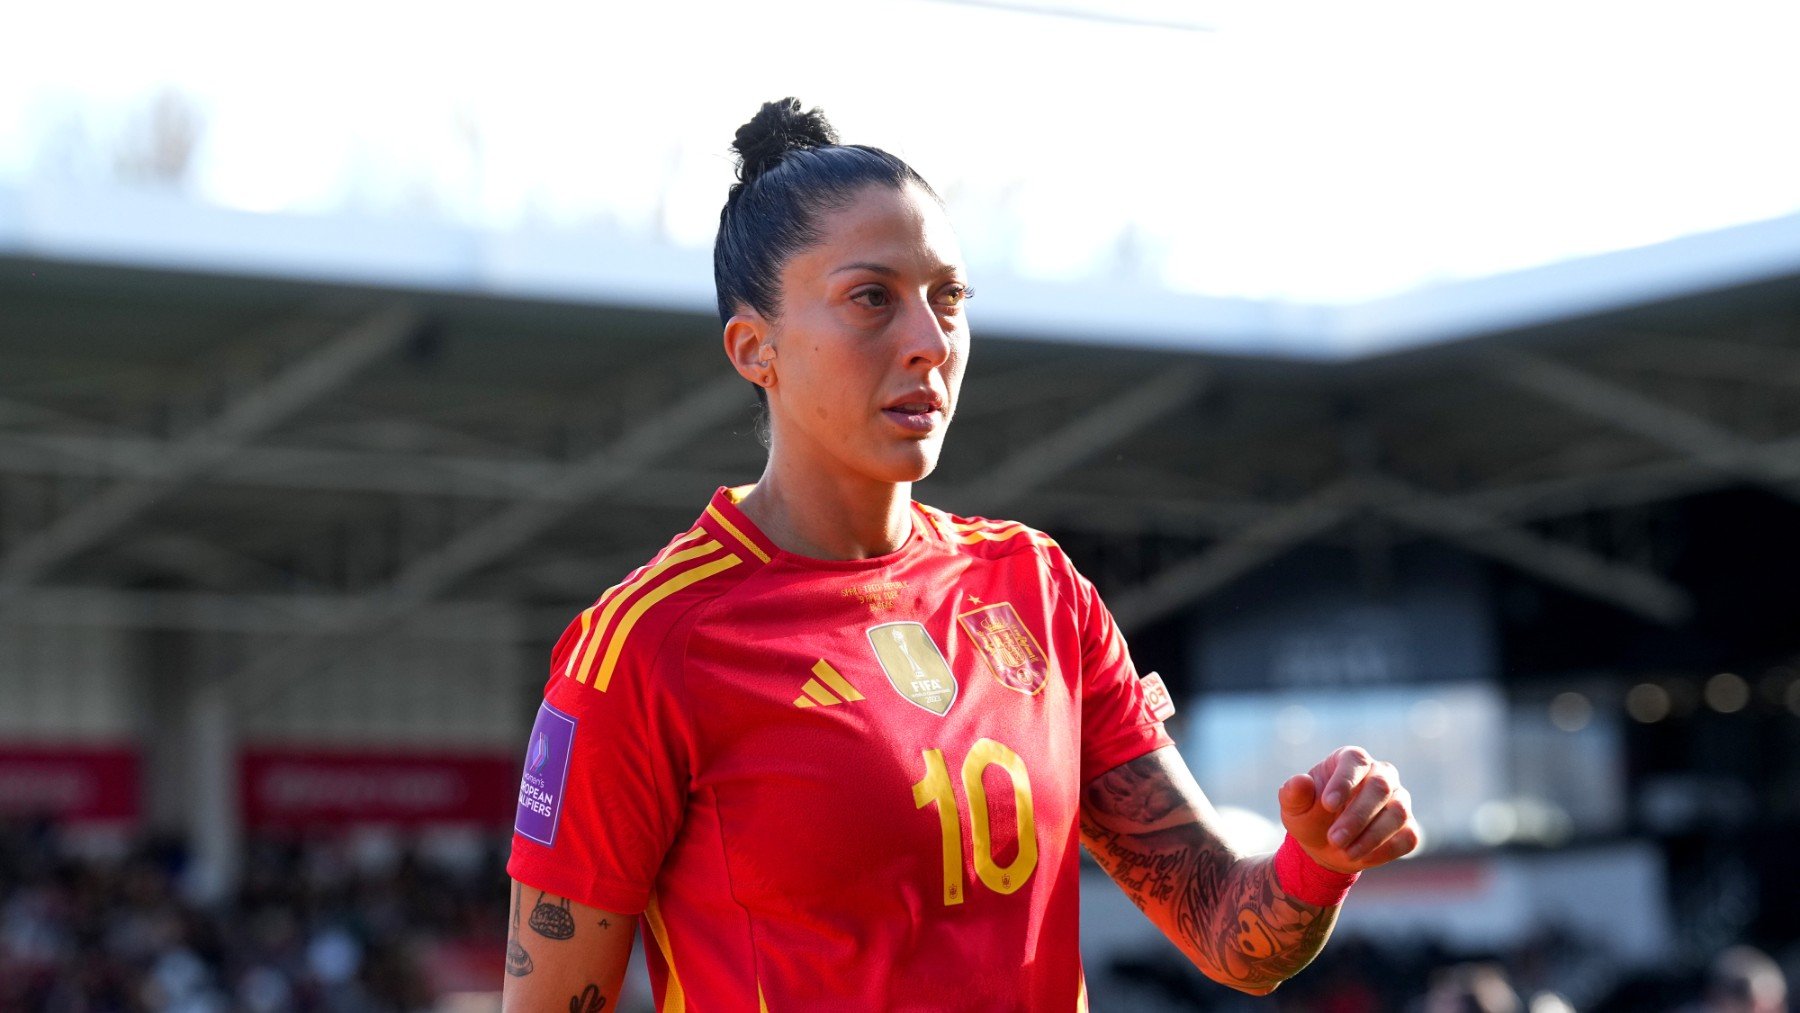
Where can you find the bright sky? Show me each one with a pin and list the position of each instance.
(1312, 151)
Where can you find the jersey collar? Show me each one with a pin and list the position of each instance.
(727, 523)
(724, 521)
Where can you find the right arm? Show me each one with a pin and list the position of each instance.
(563, 955)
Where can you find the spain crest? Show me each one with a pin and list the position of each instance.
(1007, 645)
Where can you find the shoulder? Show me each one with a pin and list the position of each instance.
(992, 538)
(631, 624)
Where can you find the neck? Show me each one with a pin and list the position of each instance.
(827, 516)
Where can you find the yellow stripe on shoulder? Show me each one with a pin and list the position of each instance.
(1005, 534)
(939, 520)
(587, 625)
(588, 628)
(609, 602)
(971, 535)
(616, 642)
(732, 529)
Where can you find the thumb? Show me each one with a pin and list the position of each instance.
(1297, 795)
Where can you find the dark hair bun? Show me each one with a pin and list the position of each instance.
(778, 128)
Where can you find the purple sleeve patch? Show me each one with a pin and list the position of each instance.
(546, 774)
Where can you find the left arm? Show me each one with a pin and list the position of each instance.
(1151, 828)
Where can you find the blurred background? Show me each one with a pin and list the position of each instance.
(1417, 377)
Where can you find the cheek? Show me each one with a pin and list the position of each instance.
(830, 383)
(957, 364)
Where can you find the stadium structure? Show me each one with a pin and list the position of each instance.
(291, 510)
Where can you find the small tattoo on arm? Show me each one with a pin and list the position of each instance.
(589, 1001)
(518, 962)
(552, 921)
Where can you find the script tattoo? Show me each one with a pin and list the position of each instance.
(518, 962)
(1227, 912)
(589, 1001)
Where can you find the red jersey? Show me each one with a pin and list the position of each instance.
(835, 784)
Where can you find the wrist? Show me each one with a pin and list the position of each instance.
(1301, 877)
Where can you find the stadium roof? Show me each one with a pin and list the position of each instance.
(283, 431)
(134, 227)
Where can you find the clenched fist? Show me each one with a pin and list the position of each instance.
(1350, 812)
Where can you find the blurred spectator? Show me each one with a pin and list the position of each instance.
(1471, 988)
(1744, 979)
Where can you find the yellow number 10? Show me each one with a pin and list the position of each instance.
(936, 788)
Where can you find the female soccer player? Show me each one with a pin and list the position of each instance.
(838, 749)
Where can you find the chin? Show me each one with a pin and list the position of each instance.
(913, 464)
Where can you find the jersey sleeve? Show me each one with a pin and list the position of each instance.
(1117, 725)
(605, 777)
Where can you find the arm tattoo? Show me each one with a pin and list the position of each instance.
(552, 921)
(589, 1001)
(518, 962)
(1225, 911)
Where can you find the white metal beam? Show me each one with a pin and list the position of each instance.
(1700, 439)
(1628, 587)
(1094, 431)
(634, 453)
(1184, 583)
(617, 466)
(246, 417)
(300, 615)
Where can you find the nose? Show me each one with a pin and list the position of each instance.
(926, 336)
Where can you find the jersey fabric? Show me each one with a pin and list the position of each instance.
(835, 784)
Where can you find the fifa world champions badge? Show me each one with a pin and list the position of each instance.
(913, 665)
(1012, 653)
(545, 776)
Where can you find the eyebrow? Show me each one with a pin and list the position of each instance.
(886, 271)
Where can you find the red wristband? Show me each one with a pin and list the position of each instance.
(1306, 880)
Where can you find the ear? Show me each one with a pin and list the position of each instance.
(748, 347)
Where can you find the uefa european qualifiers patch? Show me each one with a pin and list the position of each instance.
(546, 774)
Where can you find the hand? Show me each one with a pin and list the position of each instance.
(1350, 812)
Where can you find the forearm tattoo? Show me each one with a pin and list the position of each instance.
(1225, 911)
(518, 961)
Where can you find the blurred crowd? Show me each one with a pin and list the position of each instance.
(332, 924)
(314, 926)
(1552, 973)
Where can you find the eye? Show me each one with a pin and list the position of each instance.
(871, 297)
(955, 295)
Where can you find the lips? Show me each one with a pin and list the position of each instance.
(918, 411)
(917, 402)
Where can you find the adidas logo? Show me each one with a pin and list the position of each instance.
(828, 689)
